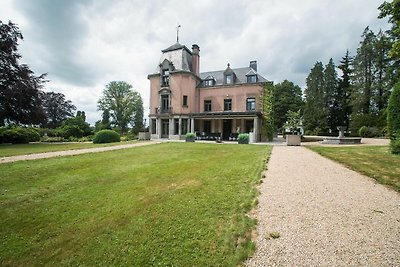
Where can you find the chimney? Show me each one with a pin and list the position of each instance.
(253, 65)
(196, 59)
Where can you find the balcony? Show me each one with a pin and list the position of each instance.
(163, 110)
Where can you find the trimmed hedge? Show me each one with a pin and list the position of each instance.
(106, 136)
(368, 132)
(19, 135)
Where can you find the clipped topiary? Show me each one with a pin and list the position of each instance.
(106, 136)
(243, 138)
(393, 119)
(393, 112)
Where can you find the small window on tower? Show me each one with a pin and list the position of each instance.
(185, 101)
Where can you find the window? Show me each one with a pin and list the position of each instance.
(251, 103)
(207, 105)
(228, 79)
(252, 78)
(227, 104)
(209, 83)
(184, 126)
(164, 103)
(176, 128)
(153, 126)
(185, 101)
(207, 127)
(165, 77)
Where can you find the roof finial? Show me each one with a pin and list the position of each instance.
(177, 33)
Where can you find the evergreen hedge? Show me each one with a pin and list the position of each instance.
(393, 119)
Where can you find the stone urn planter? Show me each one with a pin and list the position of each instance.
(293, 140)
(190, 137)
(243, 138)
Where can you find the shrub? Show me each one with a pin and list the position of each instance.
(51, 139)
(368, 132)
(190, 135)
(393, 112)
(2, 130)
(243, 138)
(395, 144)
(17, 135)
(106, 136)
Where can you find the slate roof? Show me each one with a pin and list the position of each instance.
(240, 74)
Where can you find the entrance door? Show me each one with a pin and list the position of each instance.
(227, 129)
(164, 128)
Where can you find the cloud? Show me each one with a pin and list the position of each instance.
(83, 45)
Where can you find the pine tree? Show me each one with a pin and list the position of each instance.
(315, 112)
(344, 90)
(331, 95)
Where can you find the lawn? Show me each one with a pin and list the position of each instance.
(172, 204)
(7, 150)
(373, 161)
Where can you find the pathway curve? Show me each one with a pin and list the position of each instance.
(72, 152)
(325, 214)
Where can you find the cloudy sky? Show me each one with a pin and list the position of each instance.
(84, 44)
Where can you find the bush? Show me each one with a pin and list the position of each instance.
(395, 145)
(51, 139)
(106, 136)
(393, 112)
(19, 135)
(368, 132)
(243, 138)
(190, 135)
(2, 130)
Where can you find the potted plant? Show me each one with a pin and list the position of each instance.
(243, 138)
(293, 123)
(190, 137)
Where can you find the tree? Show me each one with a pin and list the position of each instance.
(287, 96)
(81, 114)
(393, 113)
(138, 116)
(19, 88)
(57, 108)
(122, 102)
(344, 90)
(267, 103)
(393, 119)
(315, 112)
(392, 10)
(331, 96)
(75, 127)
(104, 123)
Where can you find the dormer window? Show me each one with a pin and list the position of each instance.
(228, 79)
(208, 83)
(229, 75)
(165, 77)
(252, 78)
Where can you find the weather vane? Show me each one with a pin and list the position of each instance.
(177, 33)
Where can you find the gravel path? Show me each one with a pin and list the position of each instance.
(325, 214)
(71, 152)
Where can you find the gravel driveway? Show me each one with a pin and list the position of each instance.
(325, 215)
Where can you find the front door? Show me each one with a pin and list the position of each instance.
(227, 129)
(164, 128)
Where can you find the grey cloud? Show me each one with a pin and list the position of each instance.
(58, 31)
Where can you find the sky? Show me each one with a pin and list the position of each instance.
(85, 44)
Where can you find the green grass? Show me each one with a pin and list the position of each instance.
(374, 161)
(7, 150)
(175, 204)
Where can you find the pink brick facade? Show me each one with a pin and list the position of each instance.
(214, 105)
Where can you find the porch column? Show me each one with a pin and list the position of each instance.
(150, 125)
(180, 127)
(158, 127)
(171, 127)
(255, 129)
(242, 128)
(192, 125)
